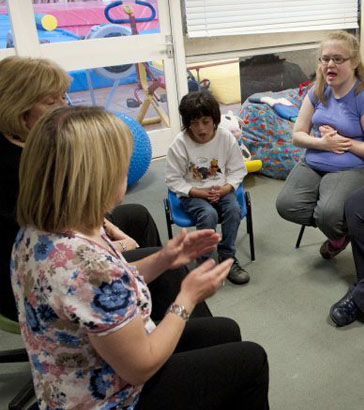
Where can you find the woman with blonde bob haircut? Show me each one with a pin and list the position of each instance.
(84, 312)
(75, 180)
(25, 82)
(28, 88)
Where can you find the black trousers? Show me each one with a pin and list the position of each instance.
(136, 221)
(211, 369)
(354, 213)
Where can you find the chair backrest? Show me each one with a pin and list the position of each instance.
(179, 216)
(9, 326)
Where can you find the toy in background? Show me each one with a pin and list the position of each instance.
(196, 84)
(143, 70)
(142, 149)
(232, 123)
(46, 22)
(283, 107)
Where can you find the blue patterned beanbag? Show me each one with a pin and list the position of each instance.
(268, 136)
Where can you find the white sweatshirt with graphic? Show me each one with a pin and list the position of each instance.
(192, 165)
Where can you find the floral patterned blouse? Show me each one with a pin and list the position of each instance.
(67, 287)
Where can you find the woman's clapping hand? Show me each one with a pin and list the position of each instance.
(186, 247)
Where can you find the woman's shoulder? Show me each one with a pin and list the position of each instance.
(59, 249)
(312, 96)
(359, 90)
(359, 97)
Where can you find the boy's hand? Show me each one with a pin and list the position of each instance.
(216, 192)
(199, 193)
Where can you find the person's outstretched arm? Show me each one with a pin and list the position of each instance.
(136, 356)
(181, 250)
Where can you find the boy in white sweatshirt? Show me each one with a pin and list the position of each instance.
(204, 167)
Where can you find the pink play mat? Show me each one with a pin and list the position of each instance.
(78, 17)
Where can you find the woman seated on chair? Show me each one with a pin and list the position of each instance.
(333, 110)
(29, 87)
(84, 311)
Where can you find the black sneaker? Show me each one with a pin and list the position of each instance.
(345, 311)
(237, 274)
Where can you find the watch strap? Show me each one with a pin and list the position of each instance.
(178, 310)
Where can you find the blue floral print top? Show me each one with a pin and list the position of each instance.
(67, 287)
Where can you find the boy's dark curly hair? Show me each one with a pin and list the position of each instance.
(199, 104)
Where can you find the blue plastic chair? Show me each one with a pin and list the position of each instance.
(176, 215)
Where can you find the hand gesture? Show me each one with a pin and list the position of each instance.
(126, 243)
(334, 142)
(216, 192)
(203, 282)
(186, 247)
(120, 239)
(199, 193)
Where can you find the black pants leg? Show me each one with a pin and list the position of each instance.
(216, 372)
(136, 221)
(165, 288)
(354, 213)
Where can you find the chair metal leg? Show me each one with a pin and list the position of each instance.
(249, 225)
(22, 398)
(168, 217)
(302, 230)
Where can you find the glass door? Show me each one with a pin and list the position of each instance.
(127, 56)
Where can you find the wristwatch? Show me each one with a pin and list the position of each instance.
(178, 310)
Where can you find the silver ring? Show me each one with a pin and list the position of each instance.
(223, 283)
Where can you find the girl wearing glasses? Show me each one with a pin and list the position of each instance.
(330, 126)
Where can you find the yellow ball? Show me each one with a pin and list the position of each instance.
(49, 22)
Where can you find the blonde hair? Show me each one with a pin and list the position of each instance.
(24, 81)
(72, 168)
(353, 46)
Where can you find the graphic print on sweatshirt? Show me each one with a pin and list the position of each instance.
(204, 169)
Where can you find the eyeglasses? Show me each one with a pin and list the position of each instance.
(336, 60)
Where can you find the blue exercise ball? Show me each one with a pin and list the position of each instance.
(142, 149)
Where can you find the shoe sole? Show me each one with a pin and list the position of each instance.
(238, 283)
